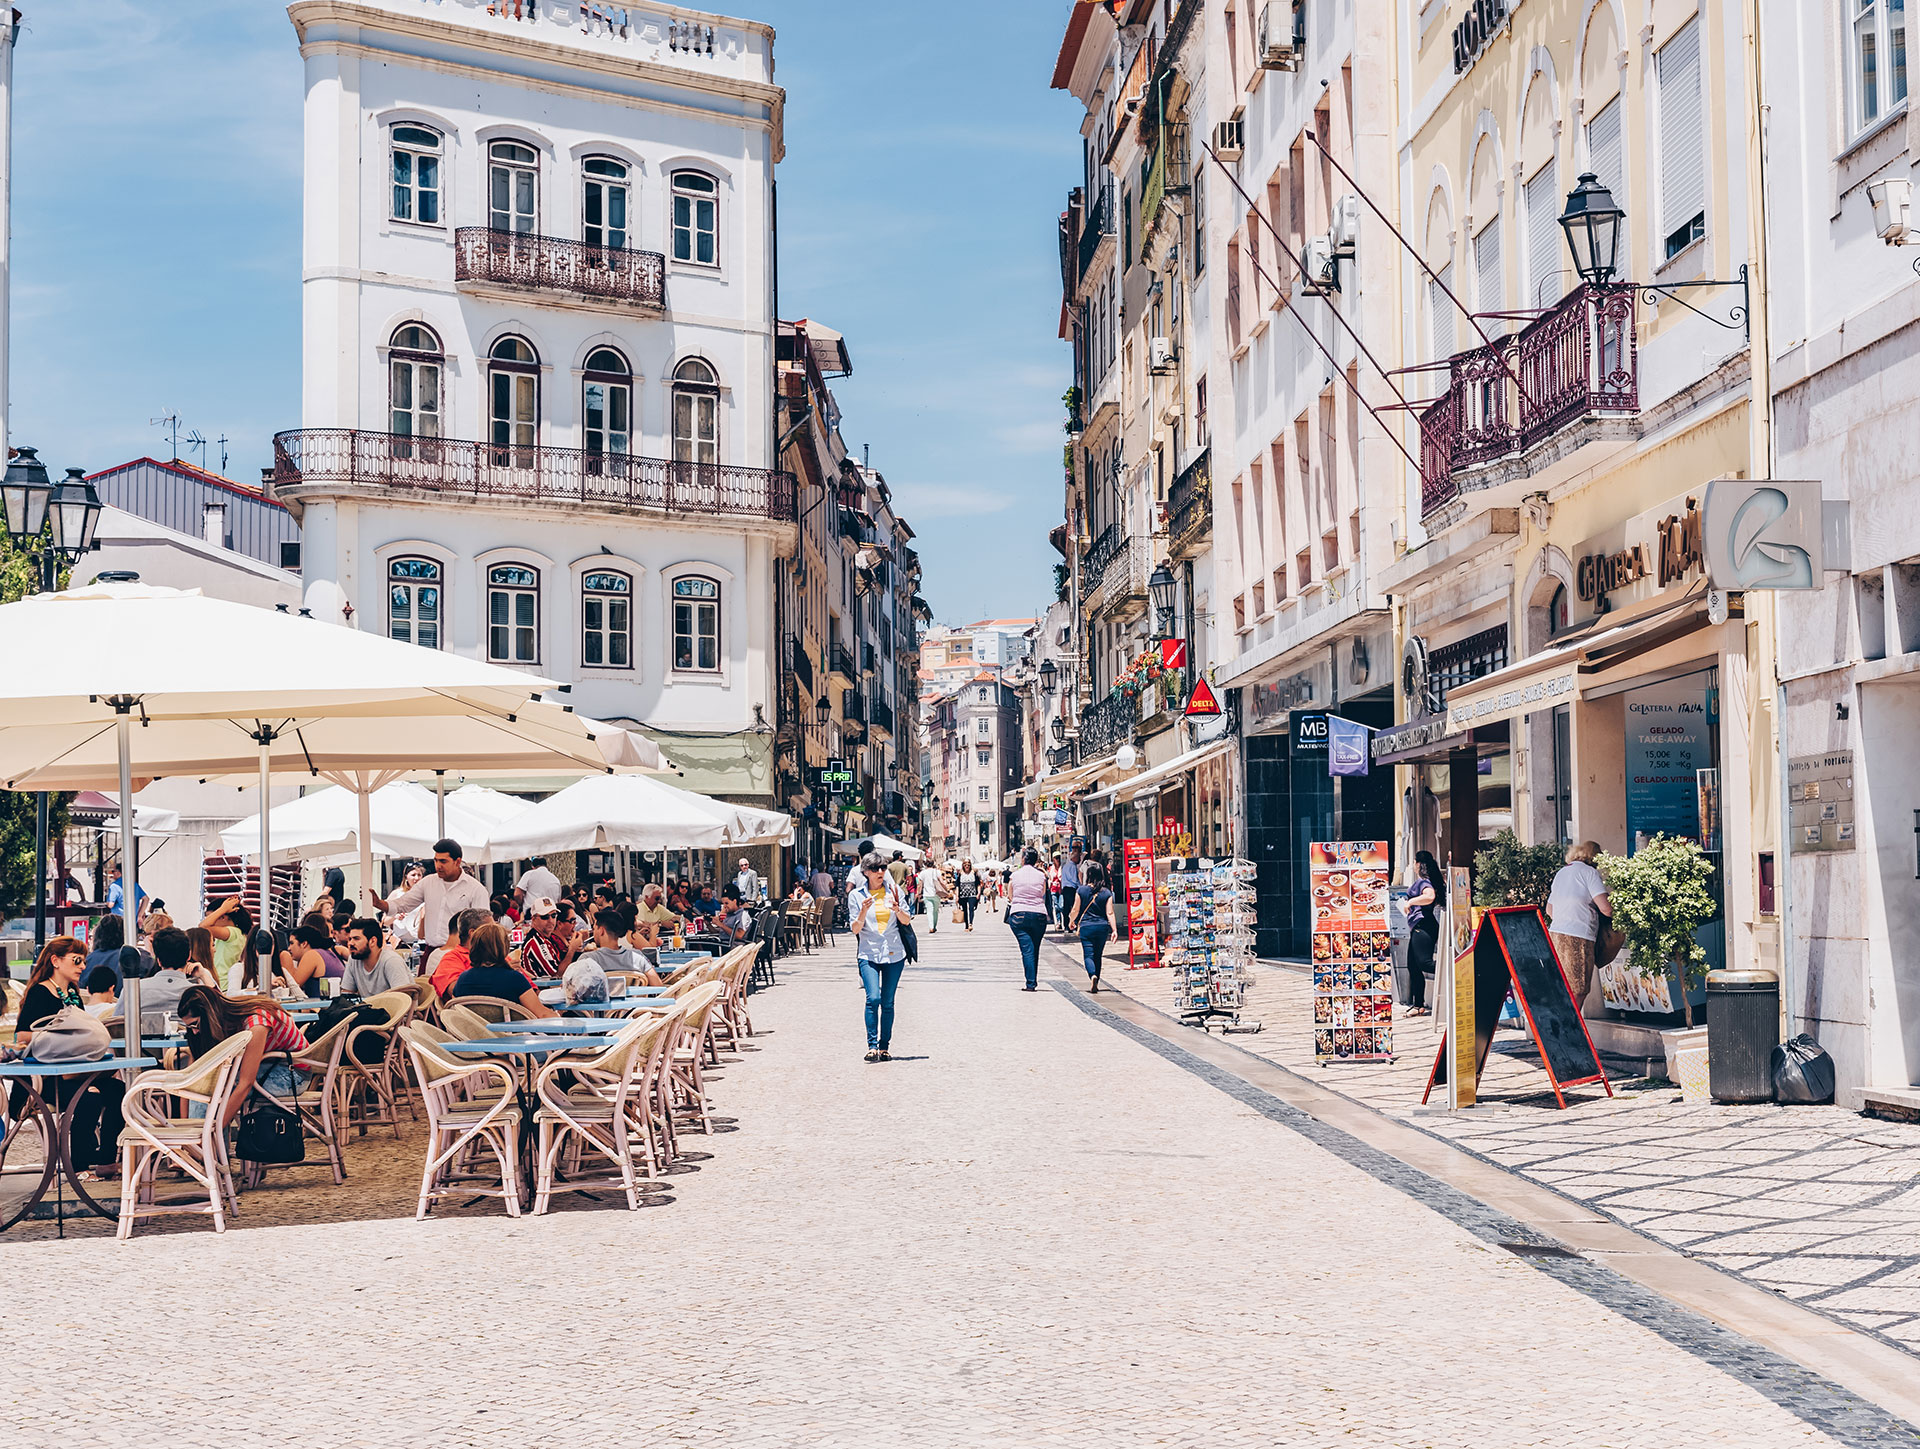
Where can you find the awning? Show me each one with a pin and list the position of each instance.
(1551, 677)
(1147, 779)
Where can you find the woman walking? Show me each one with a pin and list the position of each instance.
(966, 886)
(875, 907)
(1093, 913)
(1424, 903)
(1027, 913)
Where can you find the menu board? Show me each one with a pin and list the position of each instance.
(1143, 904)
(1352, 951)
(1667, 745)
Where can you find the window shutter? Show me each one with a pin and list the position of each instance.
(1489, 295)
(1603, 145)
(1442, 307)
(1683, 176)
(1544, 237)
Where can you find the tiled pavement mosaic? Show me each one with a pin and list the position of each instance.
(1818, 1204)
(1030, 1229)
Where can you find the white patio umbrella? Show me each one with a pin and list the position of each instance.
(103, 678)
(629, 812)
(404, 819)
(883, 846)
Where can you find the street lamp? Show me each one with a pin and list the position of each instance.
(1592, 223)
(1049, 673)
(29, 495)
(1060, 737)
(1160, 585)
(822, 712)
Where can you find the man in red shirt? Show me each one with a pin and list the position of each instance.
(547, 950)
(454, 959)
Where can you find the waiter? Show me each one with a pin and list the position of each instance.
(447, 892)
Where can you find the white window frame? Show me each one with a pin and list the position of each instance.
(514, 593)
(612, 603)
(416, 383)
(410, 197)
(519, 428)
(602, 188)
(615, 387)
(408, 573)
(689, 231)
(695, 605)
(513, 169)
(1876, 40)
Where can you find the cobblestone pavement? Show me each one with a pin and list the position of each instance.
(1819, 1204)
(1035, 1227)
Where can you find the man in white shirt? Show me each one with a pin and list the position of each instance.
(932, 892)
(538, 881)
(445, 893)
(747, 882)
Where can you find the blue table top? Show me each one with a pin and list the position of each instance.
(524, 1046)
(548, 1028)
(162, 1043)
(74, 1069)
(557, 996)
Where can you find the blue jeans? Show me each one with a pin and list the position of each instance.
(881, 979)
(277, 1077)
(1029, 928)
(1094, 936)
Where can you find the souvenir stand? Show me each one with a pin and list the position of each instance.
(1209, 941)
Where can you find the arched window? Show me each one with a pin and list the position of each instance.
(513, 614)
(1557, 612)
(696, 624)
(607, 398)
(414, 364)
(414, 602)
(696, 218)
(603, 202)
(513, 388)
(513, 170)
(606, 620)
(696, 413)
(416, 174)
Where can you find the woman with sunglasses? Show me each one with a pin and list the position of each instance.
(55, 983)
(875, 907)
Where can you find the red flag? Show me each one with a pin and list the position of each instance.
(1173, 654)
(1202, 701)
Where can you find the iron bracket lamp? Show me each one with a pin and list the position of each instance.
(1593, 223)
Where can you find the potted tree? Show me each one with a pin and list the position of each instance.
(1660, 900)
(1508, 873)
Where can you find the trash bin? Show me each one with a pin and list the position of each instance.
(1743, 1027)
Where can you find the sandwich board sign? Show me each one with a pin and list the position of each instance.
(1511, 950)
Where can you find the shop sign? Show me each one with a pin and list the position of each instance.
(1519, 699)
(836, 777)
(1680, 551)
(1409, 736)
(1173, 654)
(1202, 703)
(1479, 25)
(1310, 734)
(1600, 574)
(1765, 533)
(1346, 746)
(1667, 747)
(1644, 554)
(1268, 706)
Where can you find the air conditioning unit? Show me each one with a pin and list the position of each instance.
(1346, 227)
(1230, 139)
(1160, 354)
(1281, 25)
(1320, 273)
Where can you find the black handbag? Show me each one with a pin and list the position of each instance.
(270, 1134)
(908, 938)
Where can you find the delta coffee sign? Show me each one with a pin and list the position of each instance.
(1480, 24)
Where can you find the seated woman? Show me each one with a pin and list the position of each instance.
(200, 968)
(309, 958)
(209, 1017)
(54, 983)
(490, 975)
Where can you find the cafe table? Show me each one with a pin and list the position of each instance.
(547, 1027)
(56, 1129)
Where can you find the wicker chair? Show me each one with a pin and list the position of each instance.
(469, 1105)
(153, 1137)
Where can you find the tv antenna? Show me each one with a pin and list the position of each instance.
(222, 441)
(194, 440)
(171, 422)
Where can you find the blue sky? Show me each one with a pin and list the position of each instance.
(156, 248)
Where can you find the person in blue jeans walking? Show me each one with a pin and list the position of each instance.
(875, 908)
(1093, 911)
(1027, 912)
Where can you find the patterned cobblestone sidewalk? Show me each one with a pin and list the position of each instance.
(1819, 1204)
(1030, 1229)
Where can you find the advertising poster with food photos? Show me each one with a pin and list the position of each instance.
(1143, 904)
(1352, 952)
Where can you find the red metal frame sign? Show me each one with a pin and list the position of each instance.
(1143, 904)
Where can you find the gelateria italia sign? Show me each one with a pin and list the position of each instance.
(1646, 554)
(1483, 20)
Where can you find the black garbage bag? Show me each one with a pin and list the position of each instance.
(1802, 1072)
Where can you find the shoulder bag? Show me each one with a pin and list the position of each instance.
(270, 1134)
(903, 919)
(71, 1034)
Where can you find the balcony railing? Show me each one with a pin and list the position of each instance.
(1578, 360)
(1096, 227)
(1190, 505)
(1108, 725)
(555, 264)
(853, 708)
(881, 714)
(840, 662)
(323, 458)
(799, 663)
(1105, 549)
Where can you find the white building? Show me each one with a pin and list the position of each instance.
(538, 292)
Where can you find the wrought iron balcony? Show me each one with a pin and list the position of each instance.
(1577, 361)
(1096, 227)
(893, 803)
(840, 662)
(1105, 548)
(799, 663)
(319, 461)
(853, 708)
(486, 257)
(1106, 726)
(881, 714)
(1190, 506)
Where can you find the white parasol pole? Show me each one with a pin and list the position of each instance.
(264, 981)
(365, 799)
(129, 885)
(440, 798)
